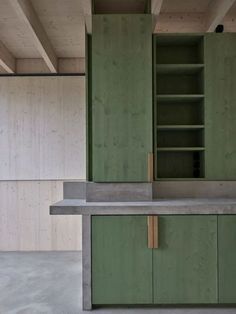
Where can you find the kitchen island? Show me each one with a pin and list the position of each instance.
(155, 252)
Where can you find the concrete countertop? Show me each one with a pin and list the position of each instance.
(155, 207)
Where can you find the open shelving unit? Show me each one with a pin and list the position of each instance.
(178, 106)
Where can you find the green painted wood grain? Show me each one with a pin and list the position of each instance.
(121, 97)
(185, 264)
(121, 261)
(220, 106)
(88, 107)
(227, 258)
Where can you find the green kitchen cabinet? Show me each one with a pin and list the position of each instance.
(121, 115)
(185, 264)
(182, 270)
(121, 260)
(220, 106)
(227, 258)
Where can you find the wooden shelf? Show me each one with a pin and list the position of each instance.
(180, 149)
(180, 98)
(180, 127)
(179, 107)
(178, 39)
(179, 68)
(181, 179)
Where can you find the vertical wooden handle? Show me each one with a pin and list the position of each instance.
(153, 241)
(150, 167)
(150, 231)
(155, 232)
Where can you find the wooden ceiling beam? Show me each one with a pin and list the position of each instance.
(87, 10)
(26, 12)
(7, 61)
(216, 12)
(156, 9)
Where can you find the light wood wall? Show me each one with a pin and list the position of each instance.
(42, 128)
(42, 143)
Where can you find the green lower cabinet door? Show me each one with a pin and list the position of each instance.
(185, 264)
(121, 260)
(227, 258)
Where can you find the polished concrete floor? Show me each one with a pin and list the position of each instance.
(35, 283)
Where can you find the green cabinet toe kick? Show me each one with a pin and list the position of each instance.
(193, 263)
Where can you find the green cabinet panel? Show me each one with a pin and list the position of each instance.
(121, 122)
(121, 260)
(88, 51)
(185, 264)
(220, 106)
(227, 258)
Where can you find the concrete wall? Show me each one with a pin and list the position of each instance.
(42, 143)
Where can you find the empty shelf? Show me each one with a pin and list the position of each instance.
(180, 149)
(180, 98)
(180, 127)
(179, 68)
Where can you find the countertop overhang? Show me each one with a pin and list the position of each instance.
(156, 207)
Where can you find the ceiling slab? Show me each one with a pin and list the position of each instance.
(64, 23)
(62, 20)
(180, 23)
(14, 34)
(216, 13)
(26, 13)
(185, 6)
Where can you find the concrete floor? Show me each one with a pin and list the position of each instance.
(35, 283)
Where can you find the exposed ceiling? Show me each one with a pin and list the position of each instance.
(187, 6)
(59, 30)
(62, 19)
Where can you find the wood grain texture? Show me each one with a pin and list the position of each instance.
(121, 261)
(42, 128)
(150, 232)
(220, 109)
(155, 232)
(185, 264)
(121, 97)
(7, 61)
(216, 12)
(37, 65)
(26, 13)
(227, 258)
(62, 20)
(25, 223)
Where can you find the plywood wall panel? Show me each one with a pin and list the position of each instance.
(42, 128)
(25, 223)
(42, 143)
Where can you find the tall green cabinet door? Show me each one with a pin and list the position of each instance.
(227, 258)
(220, 106)
(121, 260)
(121, 97)
(185, 264)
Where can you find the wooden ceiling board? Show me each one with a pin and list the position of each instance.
(62, 20)
(14, 34)
(2, 71)
(185, 6)
(232, 11)
(64, 24)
